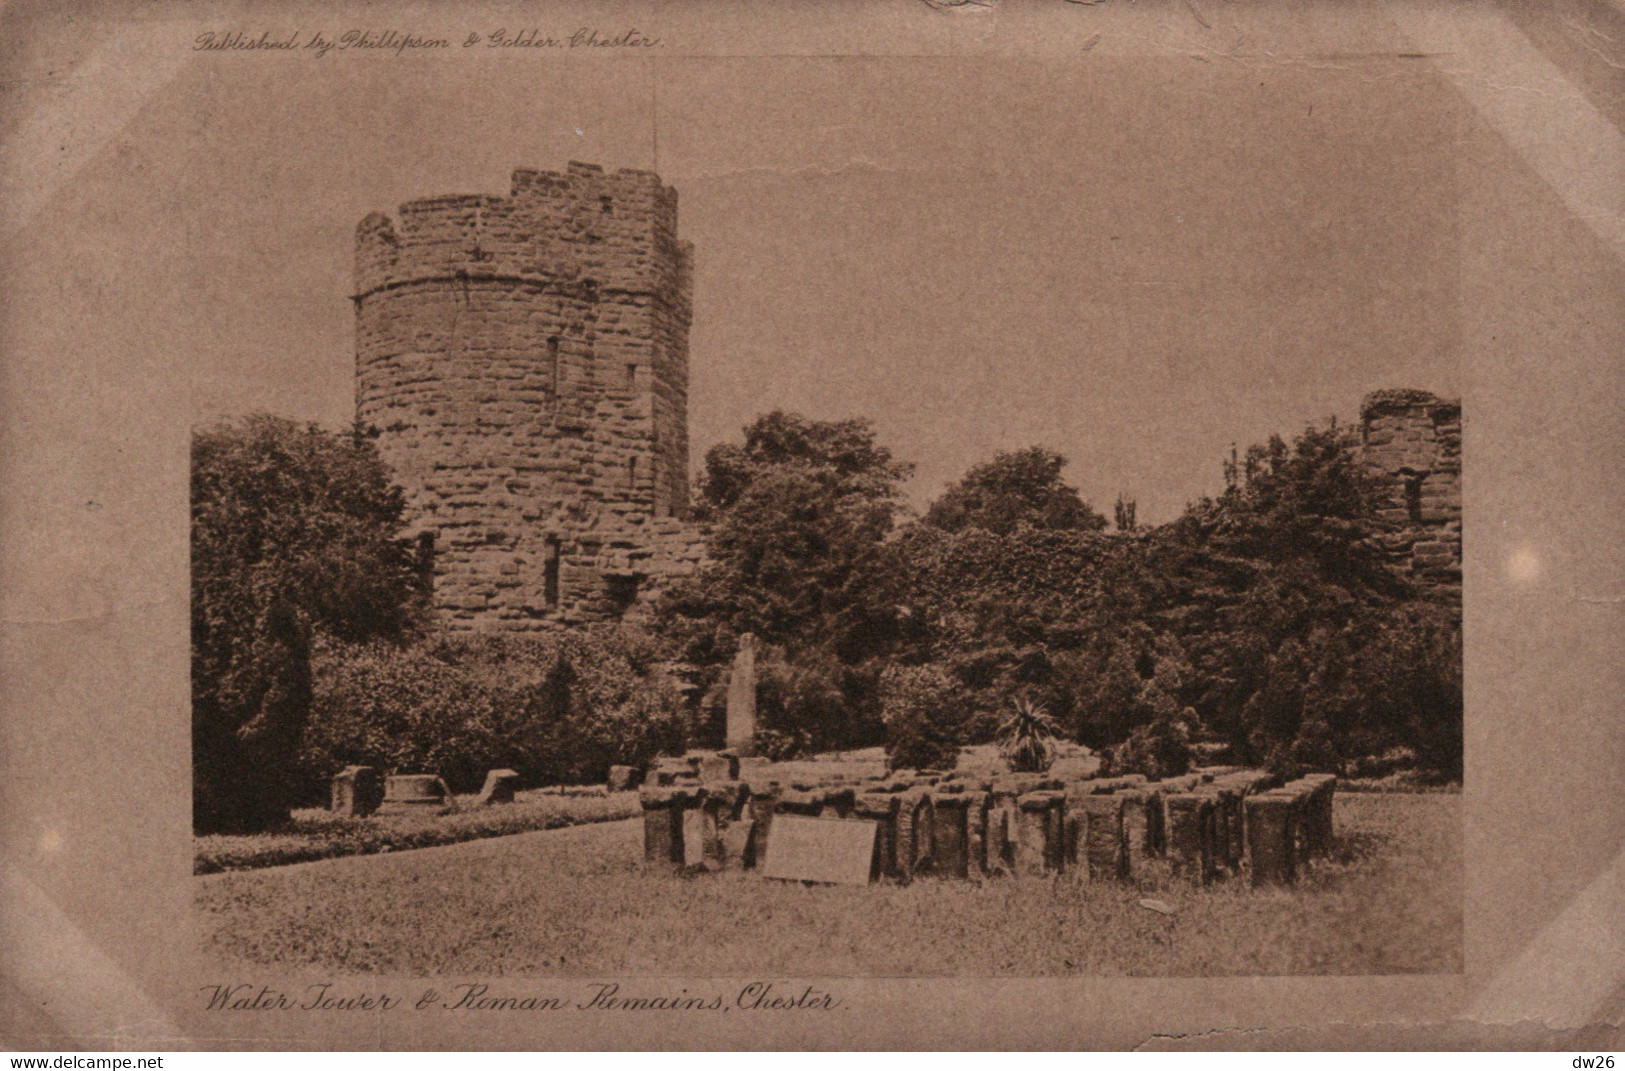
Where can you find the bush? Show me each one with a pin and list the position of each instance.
(1160, 748)
(1027, 738)
(555, 708)
(777, 745)
(925, 715)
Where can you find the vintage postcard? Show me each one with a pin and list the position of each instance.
(894, 524)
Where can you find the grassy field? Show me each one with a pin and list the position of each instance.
(317, 834)
(579, 901)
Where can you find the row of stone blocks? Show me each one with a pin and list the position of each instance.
(1205, 829)
(359, 791)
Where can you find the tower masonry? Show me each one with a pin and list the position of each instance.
(1411, 442)
(524, 360)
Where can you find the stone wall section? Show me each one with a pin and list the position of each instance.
(524, 360)
(1201, 827)
(1411, 442)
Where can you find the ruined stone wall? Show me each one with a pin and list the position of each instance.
(1411, 441)
(525, 362)
(717, 812)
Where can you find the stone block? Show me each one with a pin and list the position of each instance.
(881, 808)
(1156, 824)
(951, 835)
(1317, 814)
(803, 801)
(741, 728)
(717, 766)
(499, 788)
(1104, 851)
(1272, 837)
(761, 806)
(356, 791)
(623, 778)
(822, 850)
(916, 832)
(1074, 838)
(1040, 832)
(723, 830)
(699, 831)
(976, 809)
(1224, 821)
(1190, 826)
(999, 826)
(662, 827)
(727, 799)
(414, 794)
(837, 802)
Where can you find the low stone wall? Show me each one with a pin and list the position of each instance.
(717, 812)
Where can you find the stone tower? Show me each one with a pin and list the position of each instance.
(524, 360)
(1411, 441)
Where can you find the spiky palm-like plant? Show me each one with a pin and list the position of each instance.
(1027, 738)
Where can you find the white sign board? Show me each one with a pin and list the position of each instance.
(835, 850)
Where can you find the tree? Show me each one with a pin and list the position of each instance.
(800, 514)
(293, 536)
(1307, 648)
(1124, 512)
(1310, 502)
(843, 454)
(1020, 487)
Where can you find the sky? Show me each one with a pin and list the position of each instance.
(1136, 263)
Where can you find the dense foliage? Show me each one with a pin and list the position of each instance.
(292, 539)
(1263, 624)
(556, 708)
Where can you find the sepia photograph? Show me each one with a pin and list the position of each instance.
(659, 512)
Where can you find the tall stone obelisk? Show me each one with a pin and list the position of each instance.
(742, 698)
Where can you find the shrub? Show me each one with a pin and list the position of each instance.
(555, 708)
(777, 745)
(925, 716)
(1027, 738)
(805, 696)
(1376, 767)
(1160, 748)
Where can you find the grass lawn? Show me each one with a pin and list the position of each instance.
(579, 901)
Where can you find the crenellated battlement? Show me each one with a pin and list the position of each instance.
(578, 229)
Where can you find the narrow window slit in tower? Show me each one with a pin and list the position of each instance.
(550, 573)
(632, 473)
(1413, 497)
(631, 377)
(606, 205)
(553, 363)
